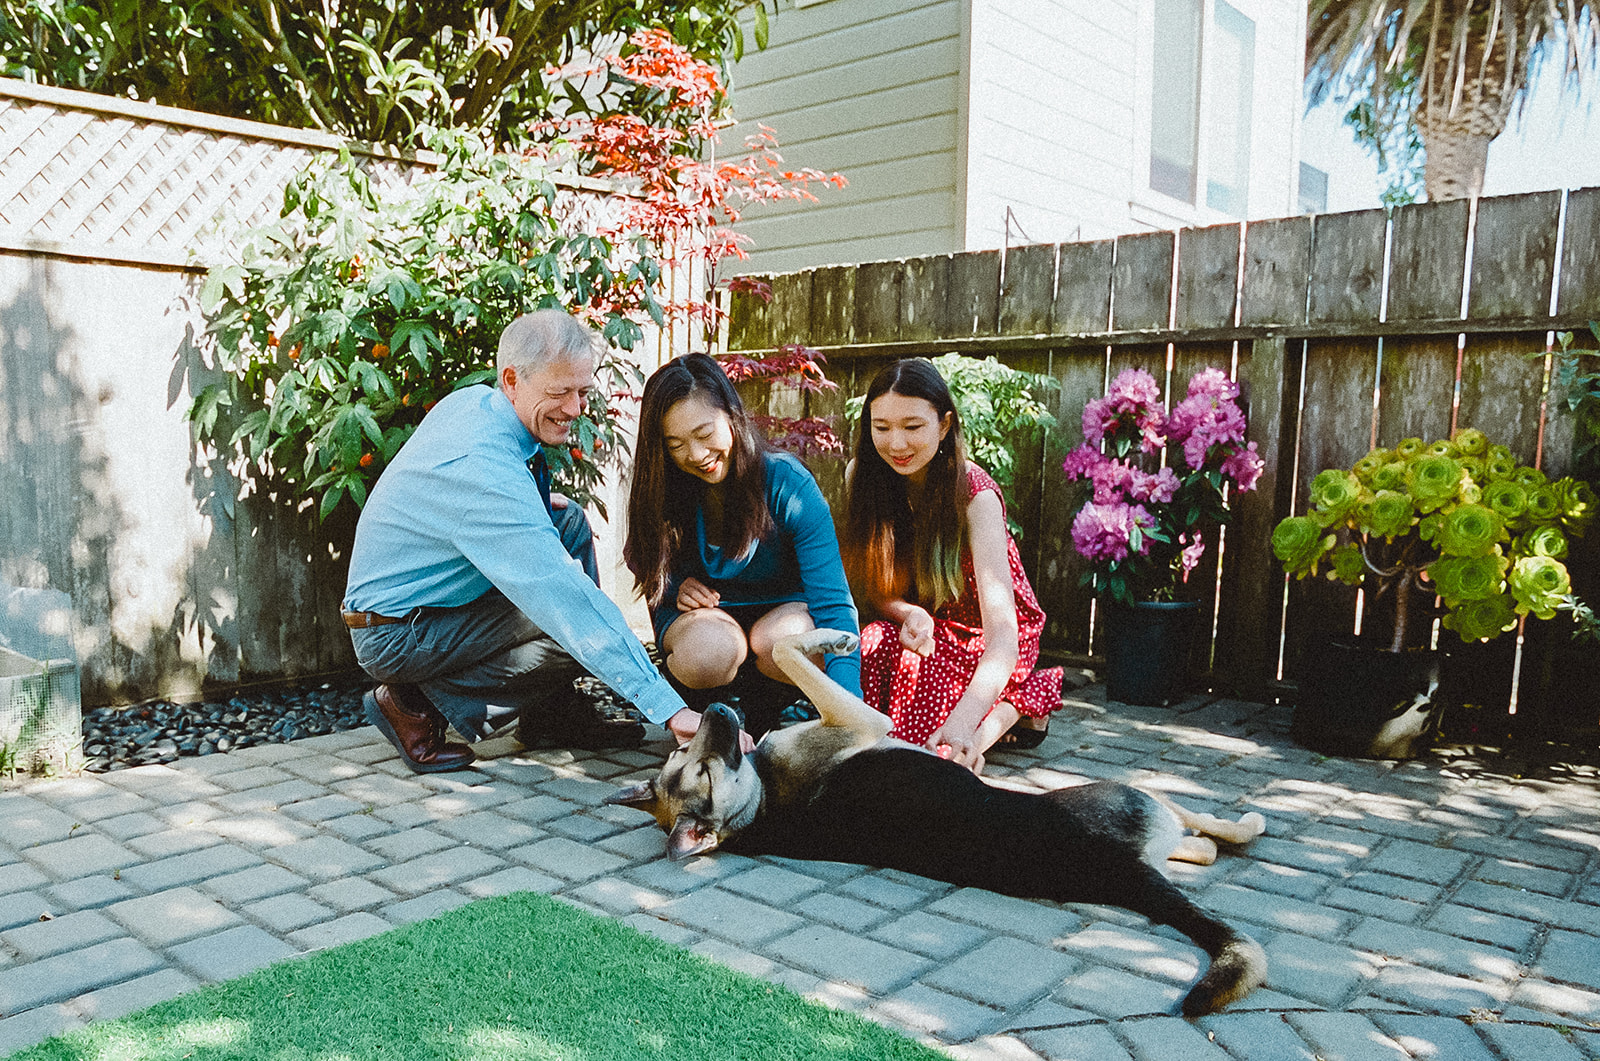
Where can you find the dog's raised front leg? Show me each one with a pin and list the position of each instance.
(836, 706)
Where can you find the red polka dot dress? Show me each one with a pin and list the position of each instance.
(919, 693)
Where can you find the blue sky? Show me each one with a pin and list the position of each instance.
(1556, 144)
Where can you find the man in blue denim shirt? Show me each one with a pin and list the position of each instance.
(473, 594)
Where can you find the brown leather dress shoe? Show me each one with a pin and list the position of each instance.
(416, 729)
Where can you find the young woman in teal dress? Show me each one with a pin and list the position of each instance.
(731, 544)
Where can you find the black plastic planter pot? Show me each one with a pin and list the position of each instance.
(1147, 651)
(1359, 699)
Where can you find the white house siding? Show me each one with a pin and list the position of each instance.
(871, 89)
(1059, 118)
(1052, 117)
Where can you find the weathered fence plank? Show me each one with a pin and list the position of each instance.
(1347, 266)
(1201, 585)
(750, 314)
(1580, 255)
(1335, 431)
(924, 291)
(1028, 288)
(1141, 291)
(1502, 390)
(833, 307)
(1082, 375)
(1208, 276)
(1083, 287)
(790, 313)
(1415, 388)
(877, 299)
(972, 302)
(1024, 500)
(1428, 260)
(1277, 271)
(1250, 615)
(1513, 255)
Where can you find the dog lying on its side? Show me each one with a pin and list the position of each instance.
(840, 789)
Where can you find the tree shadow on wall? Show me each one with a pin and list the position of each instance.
(59, 519)
(271, 577)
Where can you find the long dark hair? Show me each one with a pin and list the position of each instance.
(662, 498)
(879, 530)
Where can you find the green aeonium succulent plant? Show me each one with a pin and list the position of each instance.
(1460, 517)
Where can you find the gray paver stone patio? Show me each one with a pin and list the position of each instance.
(1399, 902)
(64, 976)
(1523, 1042)
(1257, 1037)
(119, 1000)
(1092, 1042)
(173, 915)
(1433, 1038)
(728, 916)
(67, 932)
(1116, 994)
(325, 858)
(1003, 972)
(848, 959)
(232, 952)
(346, 929)
(920, 1008)
(191, 867)
(81, 856)
(1163, 1038)
(1346, 1037)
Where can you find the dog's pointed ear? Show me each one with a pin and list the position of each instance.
(642, 795)
(690, 836)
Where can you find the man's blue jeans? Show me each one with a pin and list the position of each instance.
(484, 663)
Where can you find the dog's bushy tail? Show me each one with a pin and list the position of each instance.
(1238, 964)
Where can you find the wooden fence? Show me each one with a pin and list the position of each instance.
(1342, 330)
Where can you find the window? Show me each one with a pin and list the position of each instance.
(1175, 105)
(1207, 69)
(1313, 189)
(1233, 73)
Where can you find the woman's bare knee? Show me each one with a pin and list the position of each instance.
(704, 651)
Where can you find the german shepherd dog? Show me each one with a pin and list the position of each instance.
(840, 789)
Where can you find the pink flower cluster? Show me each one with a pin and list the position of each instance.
(1105, 531)
(1130, 509)
(1134, 400)
(1210, 417)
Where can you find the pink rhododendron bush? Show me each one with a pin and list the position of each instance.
(1142, 526)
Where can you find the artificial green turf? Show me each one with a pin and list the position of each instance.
(520, 977)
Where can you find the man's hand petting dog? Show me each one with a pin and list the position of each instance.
(686, 723)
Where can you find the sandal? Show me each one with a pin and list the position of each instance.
(1021, 737)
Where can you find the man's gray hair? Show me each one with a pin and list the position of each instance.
(545, 337)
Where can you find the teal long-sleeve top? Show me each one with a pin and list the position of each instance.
(457, 511)
(798, 561)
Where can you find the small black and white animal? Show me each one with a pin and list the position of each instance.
(840, 789)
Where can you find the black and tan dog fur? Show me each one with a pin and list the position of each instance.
(840, 789)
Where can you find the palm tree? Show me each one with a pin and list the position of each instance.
(1454, 68)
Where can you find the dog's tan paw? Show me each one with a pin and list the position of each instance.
(1255, 823)
(816, 642)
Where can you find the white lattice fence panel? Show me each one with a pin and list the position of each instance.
(126, 188)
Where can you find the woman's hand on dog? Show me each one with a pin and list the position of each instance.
(696, 594)
(916, 630)
(957, 743)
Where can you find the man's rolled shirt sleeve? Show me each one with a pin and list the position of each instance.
(503, 530)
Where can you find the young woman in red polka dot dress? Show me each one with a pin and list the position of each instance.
(952, 659)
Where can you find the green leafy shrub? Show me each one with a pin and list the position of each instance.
(340, 324)
(1485, 533)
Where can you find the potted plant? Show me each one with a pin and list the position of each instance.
(1459, 521)
(1141, 527)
